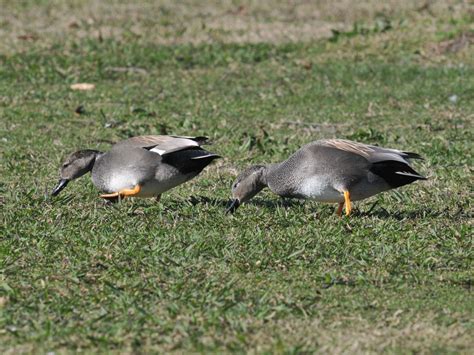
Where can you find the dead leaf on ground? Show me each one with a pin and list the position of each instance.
(83, 86)
(74, 24)
(455, 45)
(28, 37)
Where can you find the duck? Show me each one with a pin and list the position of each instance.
(329, 170)
(141, 166)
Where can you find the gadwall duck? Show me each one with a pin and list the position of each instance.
(330, 170)
(143, 166)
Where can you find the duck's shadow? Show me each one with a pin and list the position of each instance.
(274, 204)
(205, 200)
(192, 200)
(196, 200)
(226, 203)
(371, 211)
(421, 213)
(382, 213)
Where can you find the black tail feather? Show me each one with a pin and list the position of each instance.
(192, 160)
(396, 173)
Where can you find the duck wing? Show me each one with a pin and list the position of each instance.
(372, 153)
(390, 164)
(162, 144)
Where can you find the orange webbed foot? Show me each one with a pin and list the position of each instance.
(123, 193)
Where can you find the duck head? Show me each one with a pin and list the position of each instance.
(249, 183)
(76, 165)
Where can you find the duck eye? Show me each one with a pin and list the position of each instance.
(65, 165)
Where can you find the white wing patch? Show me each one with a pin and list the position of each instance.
(158, 151)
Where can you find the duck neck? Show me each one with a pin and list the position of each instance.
(93, 155)
(260, 178)
(269, 169)
(97, 154)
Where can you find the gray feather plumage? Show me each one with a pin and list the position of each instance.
(155, 163)
(323, 170)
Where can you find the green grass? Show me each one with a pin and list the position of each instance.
(279, 276)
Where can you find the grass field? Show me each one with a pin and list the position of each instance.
(260, 79)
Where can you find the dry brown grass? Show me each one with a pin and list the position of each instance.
(171, 22)
(357, 335)
(346, 336)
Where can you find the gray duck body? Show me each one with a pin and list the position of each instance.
(126, 167)
(322, 173)
(149, 165)
(329, 170)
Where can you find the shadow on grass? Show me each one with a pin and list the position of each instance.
(198, 200)
(374, 211)
(421, 213)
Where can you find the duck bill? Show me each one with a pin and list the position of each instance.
(59, 187)
(234, 204)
